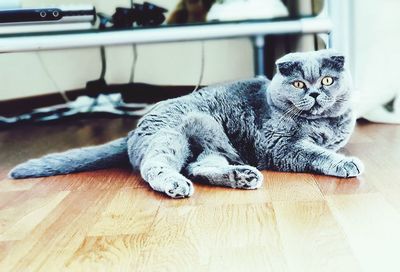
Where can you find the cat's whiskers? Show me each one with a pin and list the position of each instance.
(286, 114)
(283, 117)
(304, 102)
(289, 114)
(342, 100)
(298, 114)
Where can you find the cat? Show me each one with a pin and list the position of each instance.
(225, 134)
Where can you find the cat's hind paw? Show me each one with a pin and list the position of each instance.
(179, 187)
(246, 177)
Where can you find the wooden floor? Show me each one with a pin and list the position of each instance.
(111, 221)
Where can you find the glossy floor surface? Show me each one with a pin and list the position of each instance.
(110, 220)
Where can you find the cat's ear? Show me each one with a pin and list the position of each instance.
(288, 68)
(334, 62)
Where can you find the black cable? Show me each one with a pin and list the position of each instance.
(133, 67)
(103, 62)
(202, 65)
(53, 81)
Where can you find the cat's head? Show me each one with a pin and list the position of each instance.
(311, 84)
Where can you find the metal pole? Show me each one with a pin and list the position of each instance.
(259, 45)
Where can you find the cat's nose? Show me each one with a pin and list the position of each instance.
(314, 94)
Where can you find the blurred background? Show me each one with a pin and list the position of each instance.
(365, 31)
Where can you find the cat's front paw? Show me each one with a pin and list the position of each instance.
(246, 177)
(346, 168)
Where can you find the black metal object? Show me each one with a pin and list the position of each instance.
(146, 14)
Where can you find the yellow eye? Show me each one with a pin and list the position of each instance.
(327, 81)
(298, 84)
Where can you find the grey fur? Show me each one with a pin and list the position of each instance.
(215, 134)
(75, 160)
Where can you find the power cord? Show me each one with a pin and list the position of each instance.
(201, 67)
(102, 79)
(103, 62)
(55, 85)
(133, 68)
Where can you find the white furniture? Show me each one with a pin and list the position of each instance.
(93, 38)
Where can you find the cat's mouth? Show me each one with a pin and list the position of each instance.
(310, 107)
(316, 109)
(306, 104)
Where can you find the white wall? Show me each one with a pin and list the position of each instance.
(375, 51)
(21, 74)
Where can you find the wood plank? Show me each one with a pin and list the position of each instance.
(344, 186)
(251, 258)
(93, 180)
(132, 211)
(204, 238)
(18, 221)
(5, 247)
(291, 187)
(382, 166)
(214, 196)
(372, 228)
(7, 198)
(312, 239)
(107, 253)
(9, 185)
(58, 236)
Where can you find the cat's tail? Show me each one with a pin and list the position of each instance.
(75, 160)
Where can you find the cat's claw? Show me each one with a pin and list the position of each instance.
(246, 177)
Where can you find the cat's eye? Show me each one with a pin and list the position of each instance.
(298, 84)
(327, 81)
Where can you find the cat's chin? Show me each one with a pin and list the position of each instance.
(316, 110)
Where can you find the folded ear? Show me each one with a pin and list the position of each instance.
(289, 68)
(334, 62)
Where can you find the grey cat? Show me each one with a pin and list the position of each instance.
(224, 134)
